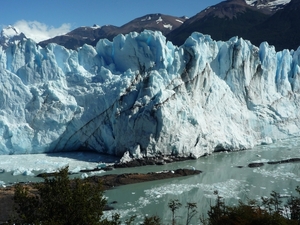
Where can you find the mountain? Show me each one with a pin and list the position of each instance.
(268, 5)
(83, 35)
(273, 21)
(140, 95)
(281, 29)
(10, 35)
(156, 22)
(247, 19)
(255, 20)
(222, 21)
(91, 35)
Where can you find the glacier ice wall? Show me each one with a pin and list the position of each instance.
(141, 93)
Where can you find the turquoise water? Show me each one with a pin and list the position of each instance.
(220, 172)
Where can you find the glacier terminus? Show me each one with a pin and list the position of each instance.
(142, 96)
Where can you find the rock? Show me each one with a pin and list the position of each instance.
(252, 165)
(159, 160)
(108, 181)
(108, 207)
(292, 160)
(113, 180)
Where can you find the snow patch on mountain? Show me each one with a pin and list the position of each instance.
(179, 21)
(96, 26)
(146, 18)
(168, 26)
(159, 20)
(273, 4)
(142, 92)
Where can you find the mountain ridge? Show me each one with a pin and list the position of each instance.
(253, 20)
(91, 35)
(237, 18)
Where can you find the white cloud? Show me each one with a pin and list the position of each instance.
(40, 31)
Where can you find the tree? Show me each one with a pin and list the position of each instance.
(293, 207)
(191, 211)
(270, 212)
(27, 205)
(174, 205)
(153, 220)
(217, 211)
(60, 200)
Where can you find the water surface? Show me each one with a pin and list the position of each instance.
(221, 172)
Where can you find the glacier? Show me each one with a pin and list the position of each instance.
(140, 95)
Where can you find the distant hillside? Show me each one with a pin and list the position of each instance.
(281, 29)
(91, 35)
(277, 22)
(274, 21)
(222, 22)
(82, 35)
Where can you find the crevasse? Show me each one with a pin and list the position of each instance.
(142, 92)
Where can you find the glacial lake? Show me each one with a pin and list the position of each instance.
(221, 172)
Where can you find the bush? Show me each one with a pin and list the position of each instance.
(61, 201)
(271, 211)
(153, 220)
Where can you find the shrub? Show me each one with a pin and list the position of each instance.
(270, 212)
(61, 201)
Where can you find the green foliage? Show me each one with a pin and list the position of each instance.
(27, 205)
(61, 201)
(216, 212)
(292, 208)
(115, 220)
(270, 212)
(191, 211)
(153, 220)
(174, 205)
(130, 220)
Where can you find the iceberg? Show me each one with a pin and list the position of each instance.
(141, 92)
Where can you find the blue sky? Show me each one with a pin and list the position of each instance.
(44, 18)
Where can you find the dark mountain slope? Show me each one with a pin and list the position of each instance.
(277, 22)
(282, 29)
(81, 36)
(222, 21)
(91, 35)
(163, 23)
(273, 21)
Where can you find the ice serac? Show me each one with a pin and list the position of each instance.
(142, 95)
(10, 35)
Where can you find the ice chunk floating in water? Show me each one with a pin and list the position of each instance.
(220, 173)
(29, 165)
(142, 92)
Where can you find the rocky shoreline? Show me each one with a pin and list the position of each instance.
(146, 161)
(259, 164)
(158, 160)
(108, 181)
(114, 180)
